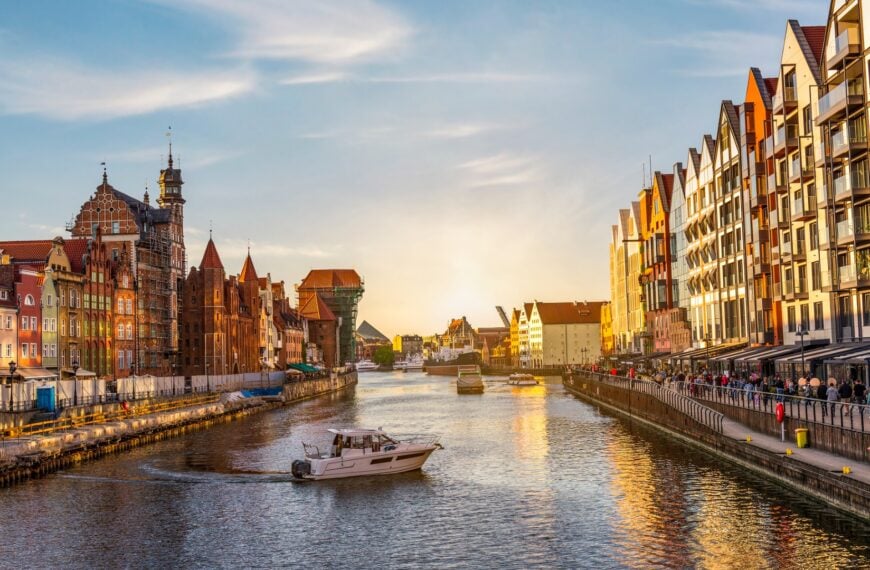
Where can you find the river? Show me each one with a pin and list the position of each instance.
(529, 477)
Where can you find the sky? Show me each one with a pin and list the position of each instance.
(459, 155)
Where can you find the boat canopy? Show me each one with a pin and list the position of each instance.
(356, 432)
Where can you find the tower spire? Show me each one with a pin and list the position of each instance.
(105, 174)
(169, 136)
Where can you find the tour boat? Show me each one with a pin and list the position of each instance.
(366, 366)
(518, 379)
(413, 364)
(469, 381)
(358, 452)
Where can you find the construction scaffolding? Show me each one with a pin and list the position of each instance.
(343, 300)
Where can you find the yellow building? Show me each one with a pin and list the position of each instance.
(606, 330)
(397, 344)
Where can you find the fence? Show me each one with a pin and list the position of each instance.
(672, 398)
(843, 415)
(21, 396)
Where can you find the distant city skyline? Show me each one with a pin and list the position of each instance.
(458, 156)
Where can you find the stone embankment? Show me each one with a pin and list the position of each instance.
(29, 456)
(812, 472)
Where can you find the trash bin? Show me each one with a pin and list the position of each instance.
(800, 436)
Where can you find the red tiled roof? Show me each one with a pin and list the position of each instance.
(315, 309)
(248, 272)
(31, 250)
(75, 250)
(329, 278)
(569, 313)
(815, 36)
(210, 259)
(771, 83)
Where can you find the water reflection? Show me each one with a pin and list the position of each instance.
(529, 477)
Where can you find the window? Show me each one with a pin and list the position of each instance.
(8, 351)
(50, 300)
(865, 305)
(121, 306)
(116, 229)
(33, 326)
(121, 360)
(24, 350)
(807, 115)
(53, 324)
(28, 300)
(814, 235)
(9, 322)
(63, 327)
(121, 331)
(792, 325)
(129, 307)
(53, 348)
(45, 350)
(129, 331)
(4, 295)
(24, 321)
(805, 317)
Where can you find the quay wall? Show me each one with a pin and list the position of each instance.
(848, 443)
(842, 492)
(31, 457)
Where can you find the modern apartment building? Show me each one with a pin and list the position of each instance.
(844, 216)
(806, 308)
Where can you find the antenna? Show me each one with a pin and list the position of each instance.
(650, 171)
(210, 227)
(643, 181)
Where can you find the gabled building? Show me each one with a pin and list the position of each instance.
(323, 332)
(679, 328)
(759, 197)
(8, 318)
(844, 218)
(656, 276)
(341, 290)
(565, 333)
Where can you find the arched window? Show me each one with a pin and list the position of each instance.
(28, 300)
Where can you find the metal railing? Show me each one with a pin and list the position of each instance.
(680, 402)
(844, 415)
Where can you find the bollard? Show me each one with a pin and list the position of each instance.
(748, 439)
(788, 451)
(846, 470)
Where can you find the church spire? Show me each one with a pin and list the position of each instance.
(170, 181)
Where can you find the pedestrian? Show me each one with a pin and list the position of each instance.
(833, 395)
(858, 390)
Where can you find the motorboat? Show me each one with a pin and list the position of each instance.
(413, 363)
(359, 452)
(366, 366)
(519, 379)
(469, 380)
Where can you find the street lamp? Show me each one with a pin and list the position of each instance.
(75, 369)
(707, 340)
(12, 368)
(801, 332)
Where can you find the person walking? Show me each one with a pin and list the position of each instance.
(833, 396)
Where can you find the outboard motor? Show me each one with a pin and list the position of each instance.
(300, 468)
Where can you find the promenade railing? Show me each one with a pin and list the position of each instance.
(672, 398)
(841, 414)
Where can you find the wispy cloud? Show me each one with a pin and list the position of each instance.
(464, 130)
(771, 5)
(65, 90)
(315, 78)
(502, 169)
(198, 157)
(468, 77)
(722, 53)
(239, 248)
(333, 31)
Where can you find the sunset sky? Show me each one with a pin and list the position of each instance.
(458, 155)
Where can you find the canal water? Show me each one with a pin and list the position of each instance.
(529, 477)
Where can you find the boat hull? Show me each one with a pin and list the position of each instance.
(469, 389)
(371, 465)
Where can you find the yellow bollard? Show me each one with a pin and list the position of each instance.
(788, 451)
(846, 470)
(748, 439)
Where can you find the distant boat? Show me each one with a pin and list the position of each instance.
(410, 364)
(366, 366)
(518, 379)
(469, 380)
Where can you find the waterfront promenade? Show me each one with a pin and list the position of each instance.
(839, 480)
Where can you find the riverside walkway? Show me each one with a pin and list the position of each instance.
(840, 480)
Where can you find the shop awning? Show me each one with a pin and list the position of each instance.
(302, 367)
(80, 373)
(859, 357)
(771, 354)
(827, 351)
(35, 374)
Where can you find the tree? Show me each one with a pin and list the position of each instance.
(384, 356)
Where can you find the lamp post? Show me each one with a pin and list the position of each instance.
(802, 332)
(75, 369)
(707, 340)
(12, 368)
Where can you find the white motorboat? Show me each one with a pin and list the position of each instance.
(413, 363)
(358, 452)
(518, 379)
(469, 380)
(366, 366)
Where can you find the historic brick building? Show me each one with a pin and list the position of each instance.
(219, 320)
(155, 239)
(323, 330)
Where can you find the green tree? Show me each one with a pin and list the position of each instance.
(384, 356)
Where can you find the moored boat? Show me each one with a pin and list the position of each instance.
(366, 366)
(360, 452)
(469, 380)
(519, 379)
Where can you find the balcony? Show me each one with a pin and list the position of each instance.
(836, 101)
(785, 100)
(822, 196)
(861, 229)
(824, 239)
(845, 232)
(846, 188)
(788, 289)
(797, 172)
(819, 153)
(801, 291)
(845, 44)
(844, 140)
(777, 184)
(847, 276)
(799, 214)
(785, 249)
(785, 137)
(777, 291)
(768, 146)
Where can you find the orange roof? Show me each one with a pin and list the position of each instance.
(248, 272)
(569, 313)
(31, 250)
(315, 309)
(210, 259)
(329, 278)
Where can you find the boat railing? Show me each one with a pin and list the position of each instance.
(311, 451)
(419, 439)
